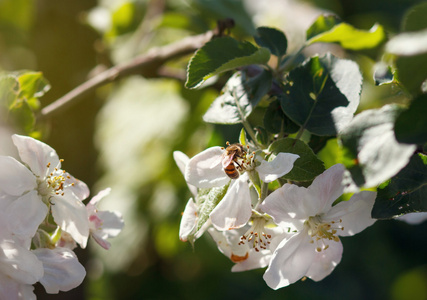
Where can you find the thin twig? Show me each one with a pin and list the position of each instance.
(146, 65)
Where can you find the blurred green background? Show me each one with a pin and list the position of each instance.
(123, 136)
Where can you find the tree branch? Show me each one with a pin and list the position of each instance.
(146, 65)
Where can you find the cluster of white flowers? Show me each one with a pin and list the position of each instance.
(294, 231)
(43, 219)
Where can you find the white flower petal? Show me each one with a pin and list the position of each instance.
(13, 290)
(354, 213)
(181, 161)
(205, 170)
(255, 260)
(77, 187)
(25, 214)
(235, 209)
(188, 220)
(223, 244)
(112, 224)
(326, 188)
(413, 218)
(325, 261)
(241, 254)
(98, 197)
(279, 166)
(291, 260)
(101, 241)
(70, 214)
(19, 263)
(62, 270)
(289, 206)
(36, 154)
(15, 178)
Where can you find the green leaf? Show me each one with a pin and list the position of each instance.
(411, 125)
(207, 200)
(306, 167)
(272, 39)
(239, 97)
(276, 121)
(410, 73)
(323, 23)
(415, 18)
(122, 19)
(322, 94)
(9, 88)
(351, 38)
(404, 193)
(19, 93)
(220, 55)
(221, 9)
(371, 152)
(331, 154)
(32, 85)
(23, 116)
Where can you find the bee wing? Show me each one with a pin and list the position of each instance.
(226, 160)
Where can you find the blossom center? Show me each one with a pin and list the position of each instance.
(54, 182)
(322, 232)
(256, 235)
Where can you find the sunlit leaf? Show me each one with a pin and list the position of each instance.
(122, 19)
(322, 94)
(371, 152)
(306, 167)
(239, 97)
(32, 85)
(331, 154)
(322, 24)
(408, 43)
(9, 89)
(404, 193)
(220, 55)
(351, 38)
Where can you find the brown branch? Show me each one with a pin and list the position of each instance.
(146, 65)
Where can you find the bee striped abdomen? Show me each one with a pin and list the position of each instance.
(231, 171)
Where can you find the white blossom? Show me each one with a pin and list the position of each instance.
(62, 270)
(205, 170)
(103, 224)
(37, 185)
(312, 248)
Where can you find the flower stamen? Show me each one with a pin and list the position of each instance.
(322, 232)
(54, 182)
(256, 235)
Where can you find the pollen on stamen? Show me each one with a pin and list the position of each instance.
(258, 239)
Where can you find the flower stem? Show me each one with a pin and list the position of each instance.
(245, 123)
(264, 194)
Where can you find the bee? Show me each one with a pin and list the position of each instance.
(230, 157)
